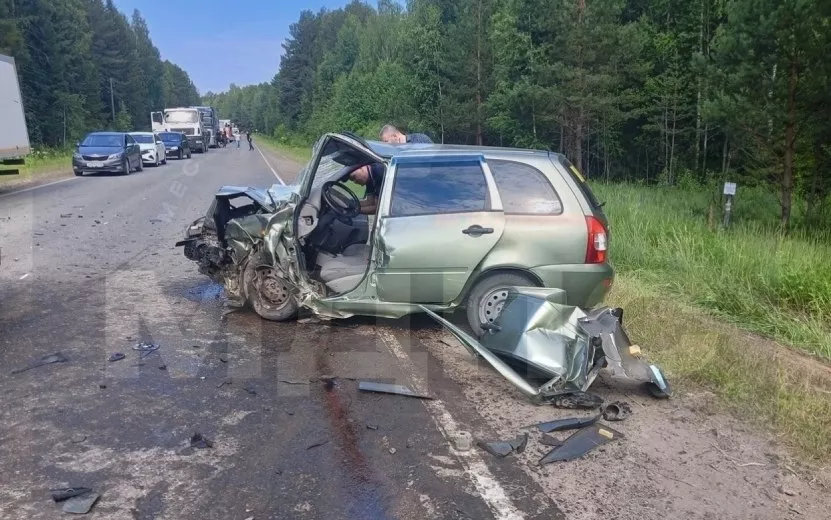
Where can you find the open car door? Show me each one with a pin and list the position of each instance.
(157, 121)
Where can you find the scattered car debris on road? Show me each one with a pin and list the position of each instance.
(200, 441)
(550, 440)
(571, 423)
(581, 442)
(57, 357)
(463, 441)
(145, 348)
(577, 400)
(61, 494)
(505, 448)
(82, 504)
(78, 438)
(317, 444)
(371, 426)
(617, 411)
(116, 356)
(251, 389)
(384, 388)
(561, 343)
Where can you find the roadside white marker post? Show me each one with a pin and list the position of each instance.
(730, 191)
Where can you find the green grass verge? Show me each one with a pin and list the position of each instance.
(757, 379)
(776, 285)
(38, 163)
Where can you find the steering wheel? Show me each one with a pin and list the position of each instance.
(341, 199)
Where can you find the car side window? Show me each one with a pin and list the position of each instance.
(439, 187)
(524, 190)
(130, 139)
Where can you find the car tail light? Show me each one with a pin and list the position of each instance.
(598, 242)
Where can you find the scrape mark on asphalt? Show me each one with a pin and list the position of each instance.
(488, 488)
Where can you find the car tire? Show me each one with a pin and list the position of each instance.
(282, 306)
(164, 161)
(128, 169)
(181, 155)
(140, 166)
(79, 173)
(484, 301)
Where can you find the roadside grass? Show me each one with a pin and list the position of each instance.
(758, 380)
(299, 153)
(752, 275)
(37, 163)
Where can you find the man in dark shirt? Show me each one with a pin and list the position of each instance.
(372, 177)
(391, 134)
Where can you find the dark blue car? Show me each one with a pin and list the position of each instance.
(175, 144)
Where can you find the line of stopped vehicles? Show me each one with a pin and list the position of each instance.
(177, 133)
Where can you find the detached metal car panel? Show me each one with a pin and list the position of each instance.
(455, 226)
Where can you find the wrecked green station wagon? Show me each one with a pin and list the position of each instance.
(455, 226)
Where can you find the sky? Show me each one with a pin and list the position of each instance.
(221, 42)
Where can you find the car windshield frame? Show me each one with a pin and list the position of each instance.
(103, 141)
(193, 117)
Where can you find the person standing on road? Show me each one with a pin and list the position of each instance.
(391, 134)
(250, 143)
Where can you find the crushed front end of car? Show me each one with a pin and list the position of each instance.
(244, 242)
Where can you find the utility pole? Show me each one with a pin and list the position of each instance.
(112, 99)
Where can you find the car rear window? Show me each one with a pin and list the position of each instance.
(524, 189)
(439, 187)
(581, 182)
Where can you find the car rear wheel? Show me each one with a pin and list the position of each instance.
(486, 298)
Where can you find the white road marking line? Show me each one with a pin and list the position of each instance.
(24, 276)
(486, 484)
(24, 190)
(269, 166)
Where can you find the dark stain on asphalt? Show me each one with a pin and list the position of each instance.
(203, 292)
(363, 489)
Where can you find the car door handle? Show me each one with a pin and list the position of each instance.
(477, 230)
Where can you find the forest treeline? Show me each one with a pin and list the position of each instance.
(656, 90)
(84, 66)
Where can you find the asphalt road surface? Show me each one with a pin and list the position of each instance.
(89, 269)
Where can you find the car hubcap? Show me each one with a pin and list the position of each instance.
(273, 288)
(491, 305)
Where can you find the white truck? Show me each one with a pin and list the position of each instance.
(14, 137)
(185, 120)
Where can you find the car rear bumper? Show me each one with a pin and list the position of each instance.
(586, 285)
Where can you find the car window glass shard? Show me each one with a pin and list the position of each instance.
(524, 189)
(431, 188)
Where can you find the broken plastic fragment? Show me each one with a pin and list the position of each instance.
(61, 494)
(571, 423)
(57, 357)
(505, 448)
(80, 505)
(581, 442)
(384, 388)
(617, 411)
(116, 356)
(577, 400)
(200, 441)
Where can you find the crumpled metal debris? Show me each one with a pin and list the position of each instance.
(82, 504)
(558, 343)
(505, 448)
(61, 494)
(581, 442)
